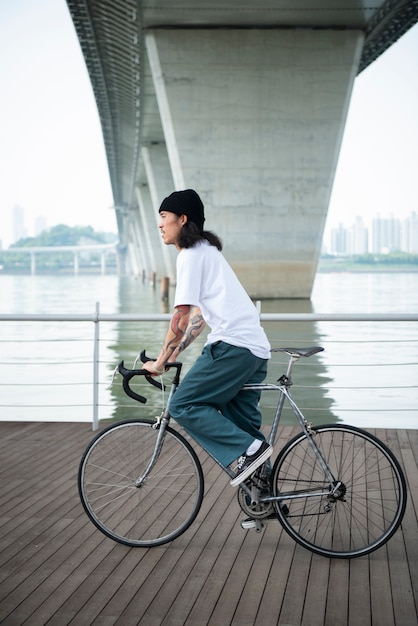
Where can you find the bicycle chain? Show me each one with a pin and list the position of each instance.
(297, 480)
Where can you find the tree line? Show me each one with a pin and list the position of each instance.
(59, 235)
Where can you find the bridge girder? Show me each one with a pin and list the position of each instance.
(112, 36)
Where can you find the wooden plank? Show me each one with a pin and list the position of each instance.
(338, 598)
(292, 609)
(89, 577)
(409, 450)
(411, 442)
(128, 597)
(359, 608)
(191, 565)
(252, 593)
(130, 567)
(57, 568)
(232, 591)
(275, 588)
(316, 592)
(222, 558)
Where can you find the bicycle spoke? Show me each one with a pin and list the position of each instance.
(157, 510)
(368, 511)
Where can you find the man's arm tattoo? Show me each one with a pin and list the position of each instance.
(176, 330)
(194, 328)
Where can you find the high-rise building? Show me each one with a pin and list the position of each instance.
(409, 234)
(338, 240)
(386, 235)
(358, 238)
(40, 224)
(18, 218)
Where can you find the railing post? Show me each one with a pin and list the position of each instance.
(165, 287)
(96, 368)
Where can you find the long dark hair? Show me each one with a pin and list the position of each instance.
(190, 235)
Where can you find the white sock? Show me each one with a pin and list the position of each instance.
(252, 449)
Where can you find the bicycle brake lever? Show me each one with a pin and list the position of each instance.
(141, 357)
(115, 371)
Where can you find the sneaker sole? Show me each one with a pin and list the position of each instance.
(248, 524)
(251, 469)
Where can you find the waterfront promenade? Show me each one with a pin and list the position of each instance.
(57, 569)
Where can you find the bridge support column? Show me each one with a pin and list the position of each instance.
(253, 120)
(136, 251)
(148, 230)
(160, 184)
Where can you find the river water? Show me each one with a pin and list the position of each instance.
(367, 375)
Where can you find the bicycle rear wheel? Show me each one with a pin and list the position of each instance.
(166, 502)
(369, 506)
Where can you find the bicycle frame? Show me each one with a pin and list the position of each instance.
(347, 516)
(283, 388)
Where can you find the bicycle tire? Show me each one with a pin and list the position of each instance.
(372, 500)
(164, 505)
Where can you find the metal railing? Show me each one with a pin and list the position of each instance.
(72, 381)
(76, 251)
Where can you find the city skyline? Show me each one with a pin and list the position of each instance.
(355, 237)
(384, 234)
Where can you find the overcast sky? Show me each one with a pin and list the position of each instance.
(377, 168)
(52, 159)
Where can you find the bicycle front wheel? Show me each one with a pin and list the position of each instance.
(368, 506)
(165, 503)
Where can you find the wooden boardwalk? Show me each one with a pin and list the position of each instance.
(57, 569)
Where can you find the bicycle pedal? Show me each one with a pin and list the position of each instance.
(248, 524)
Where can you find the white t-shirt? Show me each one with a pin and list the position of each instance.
(205, 279)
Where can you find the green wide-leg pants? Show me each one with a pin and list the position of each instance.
(210, 405)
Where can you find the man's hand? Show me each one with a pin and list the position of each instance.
(151, 367)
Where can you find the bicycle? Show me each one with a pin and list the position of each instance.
(337, 490)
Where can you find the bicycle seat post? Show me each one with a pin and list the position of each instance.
(293, 358)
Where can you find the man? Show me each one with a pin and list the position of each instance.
(209, 403)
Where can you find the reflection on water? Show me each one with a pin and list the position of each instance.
(309, 375)
(366, 376)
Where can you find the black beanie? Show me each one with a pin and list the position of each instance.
(185, 202)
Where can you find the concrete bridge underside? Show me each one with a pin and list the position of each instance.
(244, 101)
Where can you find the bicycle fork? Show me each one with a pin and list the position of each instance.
(161, 424)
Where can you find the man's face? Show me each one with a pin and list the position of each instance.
(170, 226)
